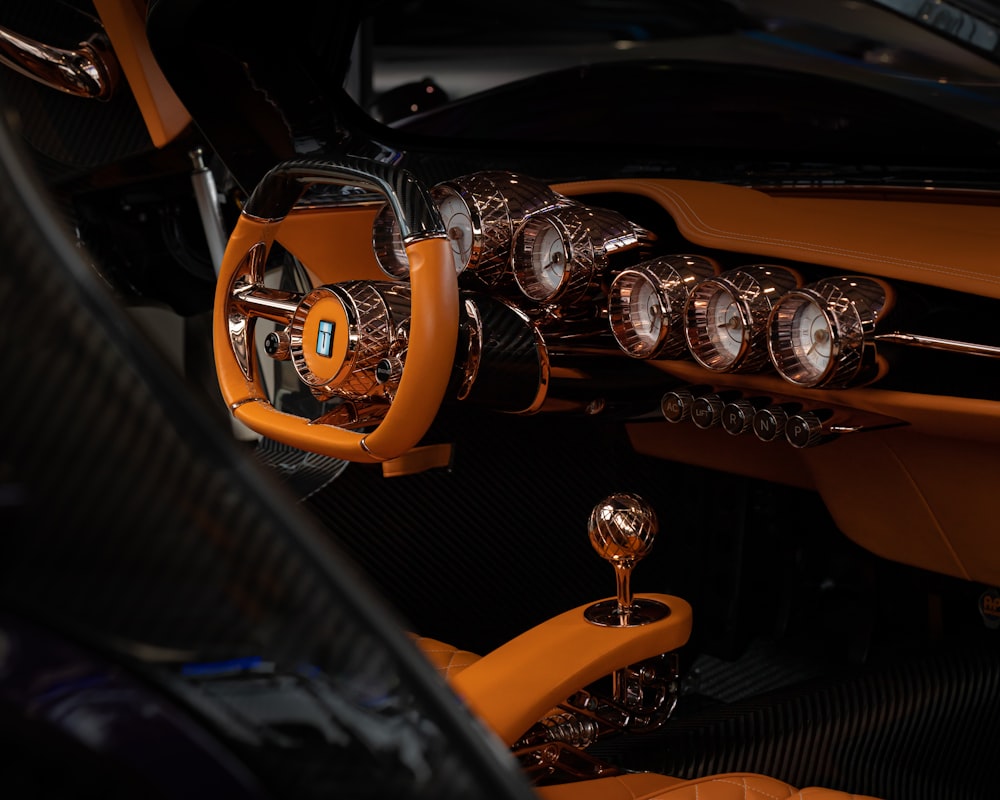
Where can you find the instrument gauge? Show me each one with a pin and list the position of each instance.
(725, 317)
(548, 258)
(559, 255)
(645, 309)
(822, 334)
(646, 303)
(481, 212)
(726, 324)
(457, 218)
(387, 242)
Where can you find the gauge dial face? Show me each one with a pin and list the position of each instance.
(726, 317)
(638, 312)
(812, 339)
(820, 335)
(726, 326)
(547, 261)
(645, 310)
(458, 224)
(387, 241)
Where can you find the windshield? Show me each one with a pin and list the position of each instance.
(885, 63)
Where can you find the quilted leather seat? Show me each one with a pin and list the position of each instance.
(446, 659)
(729, 786)
(449, 661)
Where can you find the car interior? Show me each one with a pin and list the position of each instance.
(502, 467)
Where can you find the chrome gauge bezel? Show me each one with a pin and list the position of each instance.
(464, 226)
(586, 239)
(737, 343)
(498, 202)
(842, 313)
(387, 243)
(668, 280)
(494, 203)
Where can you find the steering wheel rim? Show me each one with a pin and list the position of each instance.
(241, 298)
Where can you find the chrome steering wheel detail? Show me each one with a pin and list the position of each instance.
(340, 334)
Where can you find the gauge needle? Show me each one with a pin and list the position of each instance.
(818, 338)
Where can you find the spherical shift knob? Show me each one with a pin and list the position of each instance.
(622, 528)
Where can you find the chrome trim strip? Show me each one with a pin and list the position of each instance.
(935, 343)
(248, 400)
(544, 362)
(246, 278)
(544, 373)
(475, 353)
(90, 71)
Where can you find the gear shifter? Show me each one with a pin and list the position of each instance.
(622, 528)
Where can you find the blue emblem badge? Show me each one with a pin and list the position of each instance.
(324, 339)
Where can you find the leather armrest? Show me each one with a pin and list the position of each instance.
(512, 687)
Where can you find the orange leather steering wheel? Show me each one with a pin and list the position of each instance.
(323, 337)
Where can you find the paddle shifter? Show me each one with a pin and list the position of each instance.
(622, 528)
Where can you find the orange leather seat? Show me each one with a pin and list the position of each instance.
(447, 660)
(729, 786)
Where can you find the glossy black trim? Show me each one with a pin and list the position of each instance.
(284, 185)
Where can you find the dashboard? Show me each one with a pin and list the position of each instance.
(840, 341)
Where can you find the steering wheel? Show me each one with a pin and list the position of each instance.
(323, 334)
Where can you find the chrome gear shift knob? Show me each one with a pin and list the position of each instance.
(622, 528)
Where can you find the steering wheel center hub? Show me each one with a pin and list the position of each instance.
(338, 335)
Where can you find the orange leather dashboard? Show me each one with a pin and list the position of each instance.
(921, 493)
(950, 245)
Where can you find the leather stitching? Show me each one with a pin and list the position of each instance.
(747, 789)
(447, 660)
(692, 217)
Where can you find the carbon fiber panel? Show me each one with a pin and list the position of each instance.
(131, 521)
(477, 554)
(923, 729)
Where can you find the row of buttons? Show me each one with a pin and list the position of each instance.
(737, 414)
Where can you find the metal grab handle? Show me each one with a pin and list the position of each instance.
(90, 71)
